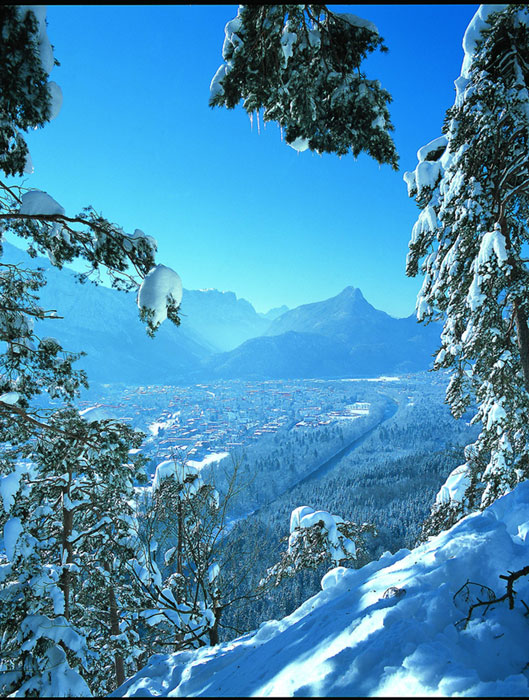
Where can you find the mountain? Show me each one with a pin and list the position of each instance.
(222, 336)
(347, 317)
(343, 316)
(220, 319)
(272, 314)
(395, 627)
(341, 336)
(104, 323)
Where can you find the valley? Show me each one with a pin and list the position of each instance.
(370, 450)
(207, 423)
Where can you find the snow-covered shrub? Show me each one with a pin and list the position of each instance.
(317, 537)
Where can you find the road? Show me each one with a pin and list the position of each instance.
(328, 465)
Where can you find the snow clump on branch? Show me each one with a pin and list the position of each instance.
(160, 294)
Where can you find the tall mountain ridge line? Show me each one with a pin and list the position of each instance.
(223, 337)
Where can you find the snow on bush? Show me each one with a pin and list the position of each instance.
(304, 517)
(453, 490)
(393, 627)
(179, 472)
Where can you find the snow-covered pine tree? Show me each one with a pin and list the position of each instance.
(177, 528)
(300, 64)
(317, 537)
(66, 483)
(26, 59)
(69, 542)
(470, 243)
(182, 559)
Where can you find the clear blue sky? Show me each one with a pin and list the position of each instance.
(230, 208)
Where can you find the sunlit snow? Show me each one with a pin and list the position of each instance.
(36, 202)
(453, 490)
(160, 284)
(392, 627)
(299, 144)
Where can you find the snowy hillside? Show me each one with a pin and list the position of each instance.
(392, 628)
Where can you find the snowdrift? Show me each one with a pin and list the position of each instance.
(388, 629)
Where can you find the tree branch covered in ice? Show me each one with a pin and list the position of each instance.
(301, 64)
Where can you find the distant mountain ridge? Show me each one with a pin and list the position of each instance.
(272, 314)
(223, 337)
(341, 336)
(220, 318)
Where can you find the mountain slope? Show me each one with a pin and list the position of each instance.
(288, 355)
(341, 336)
(105, 324)
(390, 628)
(220, 318)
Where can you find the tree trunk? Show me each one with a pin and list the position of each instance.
(179, 544)
(214, 631)
(119, 666)
(67, 528)
(520, 319)
(522, 335)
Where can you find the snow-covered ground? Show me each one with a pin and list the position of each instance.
(209, 459)
(371, 379)
(388, 629)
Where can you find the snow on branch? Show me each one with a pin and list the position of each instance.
(316, 537)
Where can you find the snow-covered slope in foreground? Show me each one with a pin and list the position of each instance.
(350, 640)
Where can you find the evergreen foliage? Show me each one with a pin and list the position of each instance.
(469, 242)
(300, 64)
(24, 97)
(68, 602)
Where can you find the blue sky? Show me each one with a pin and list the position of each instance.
(231, 208)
